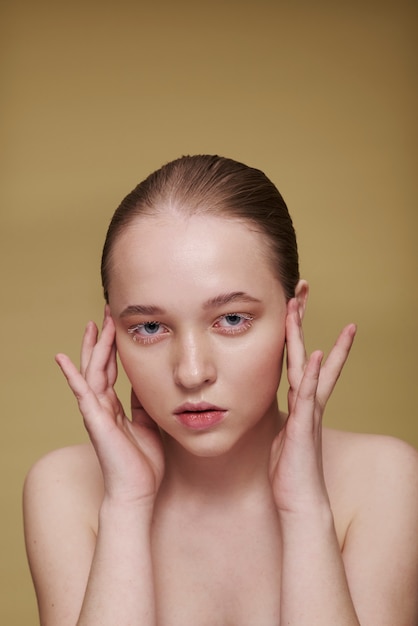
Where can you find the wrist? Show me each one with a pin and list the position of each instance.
(120, 510)
(308, 520)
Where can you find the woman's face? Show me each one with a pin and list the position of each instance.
(200, 326)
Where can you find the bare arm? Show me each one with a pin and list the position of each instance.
(381, 548)
(108, 580)
(314, 590)
(120, 589)
(321, 586)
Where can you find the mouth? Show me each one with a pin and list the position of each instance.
(199, 416)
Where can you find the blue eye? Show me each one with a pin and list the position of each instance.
(234, 319)
(233, 323)
(151, 327)
(147, 331)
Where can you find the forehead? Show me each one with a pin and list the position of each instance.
(187, 240)
(195, 251)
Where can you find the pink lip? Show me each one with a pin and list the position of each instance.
(199, 416)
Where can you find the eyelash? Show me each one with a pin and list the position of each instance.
(145, 339)
(245, 318)
(235, 330)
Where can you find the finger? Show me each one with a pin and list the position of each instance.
(296, 352)
(335, 362)
(112, 366)
(89, 341)
(295, 346)
(102, 354)
(96, 419)
(304, 413)
(86, 399)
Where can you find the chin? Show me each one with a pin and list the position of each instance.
(201, 445)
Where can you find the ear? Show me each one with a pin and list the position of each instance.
(301, 295)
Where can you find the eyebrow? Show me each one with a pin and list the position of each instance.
(227, 298)
(217, 301)
(142, 309)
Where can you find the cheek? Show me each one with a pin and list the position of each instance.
(268, 363)
(144, 373)
(259, 364)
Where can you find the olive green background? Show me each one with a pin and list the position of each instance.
(320, 95)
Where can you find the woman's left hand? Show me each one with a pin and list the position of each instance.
(296, 470)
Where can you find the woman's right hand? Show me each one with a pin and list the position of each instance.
(130, 452)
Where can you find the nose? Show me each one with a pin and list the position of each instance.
(194, 363)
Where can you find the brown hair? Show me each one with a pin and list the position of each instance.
(218, 186)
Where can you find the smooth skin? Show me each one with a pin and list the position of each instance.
(263, 519)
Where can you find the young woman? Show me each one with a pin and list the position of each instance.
(210, 506)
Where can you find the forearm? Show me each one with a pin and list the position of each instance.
(120, 589)
(314, 590)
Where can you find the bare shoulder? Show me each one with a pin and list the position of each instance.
(364, 457)
(72, 472)
(68, 457)
(370, 475)
(373, 486)
(63, 487)
(61, 501)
